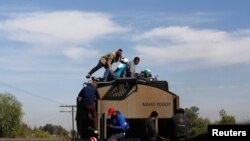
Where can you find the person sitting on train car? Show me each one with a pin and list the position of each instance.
(118, 124)
(121, 70)
(142, 74)
(146, 75)
(89, 94)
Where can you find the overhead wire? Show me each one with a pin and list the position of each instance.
(29, 93)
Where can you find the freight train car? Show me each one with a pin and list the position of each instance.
(136, 100)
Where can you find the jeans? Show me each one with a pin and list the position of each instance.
(91, 109)
(116, 136)
(97, 67)
(108, 75)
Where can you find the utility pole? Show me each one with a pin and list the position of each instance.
(72, 111)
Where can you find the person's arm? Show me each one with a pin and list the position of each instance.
(97, 94)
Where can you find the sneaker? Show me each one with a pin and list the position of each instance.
(88, 76)
(96, 132)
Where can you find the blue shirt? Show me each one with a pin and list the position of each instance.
(89, 94)
(119, 122)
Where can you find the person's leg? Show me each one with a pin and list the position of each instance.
(105, 75)
(92, 110)
(111, 75)
(119, 136)
(93, 70)
(108, 75)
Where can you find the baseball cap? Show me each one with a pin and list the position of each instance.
(111, 110)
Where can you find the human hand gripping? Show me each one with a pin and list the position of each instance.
(110, 126)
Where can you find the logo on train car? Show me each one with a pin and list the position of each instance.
(159, 104)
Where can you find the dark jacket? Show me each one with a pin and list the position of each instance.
(150, 128)
(180, 122)
(89, 94)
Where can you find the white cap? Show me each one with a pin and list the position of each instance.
(125, 60)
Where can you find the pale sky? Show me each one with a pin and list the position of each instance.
(200, 47)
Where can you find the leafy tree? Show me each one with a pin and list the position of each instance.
(55, 130)
(225, 118)
(49, 128)
(24, 131)
(41, 134)
(197, 125)
(10, 115)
